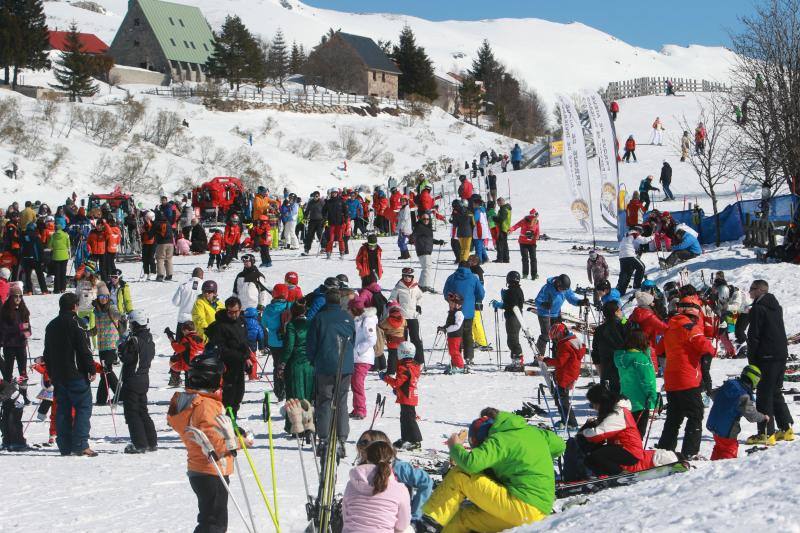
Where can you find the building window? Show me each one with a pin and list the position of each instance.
(185, 44)
(205, 46)
(181, 21)
(192, 43)
(172, 41)
(383, 77)
(135, 22)
(135, 43)
(171, 21)
(374, 76)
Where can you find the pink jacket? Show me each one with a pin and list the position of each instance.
(363, 512)
(182, 247)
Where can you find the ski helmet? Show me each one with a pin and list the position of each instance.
(513, 277)
(479, 430)
(280, 292)
(209, 286)
(408, 271)
(291, 278)
(604, 285)
(116, 273)
(592, 254)
(670, 289)
(688, 307)
(5, 273)
(558, 331)
(205, 372)
(234, 218)
(344, 281)
(330, 284)
(563, 282)
(137, 317)
(456, 203)
(648, 285)
(406, 350)
(250, 258)
(752, 373)
(723, 294)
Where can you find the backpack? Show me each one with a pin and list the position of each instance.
(286, 317)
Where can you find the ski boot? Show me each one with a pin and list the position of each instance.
(516, 365)
(761, 439)
(451, 370)
(486, 348)
(355, 416)
(411, 446)
(174, 379)
(130, 448)
(428, 525)
(787, 435)
(327, 255)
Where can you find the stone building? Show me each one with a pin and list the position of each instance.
(172, 39)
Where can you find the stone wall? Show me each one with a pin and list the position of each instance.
(381, 84)
(135, 44)
(121, 75)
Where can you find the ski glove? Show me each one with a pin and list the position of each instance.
(308, 416)
(441, 329)
(293, 411)
(496, 304)
(225, 428)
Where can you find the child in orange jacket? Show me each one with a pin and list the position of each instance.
(186, 348)
(405, 389)
(215, 247)
(394, 330)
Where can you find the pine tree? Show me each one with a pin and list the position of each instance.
(278, 59)
(297, 59)
(485, 68)
(417, 70)
(471, 98)
(73, 69)
(233, 54)
(257, 63)
(23, 37)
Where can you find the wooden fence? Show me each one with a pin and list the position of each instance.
(275, 97)
(648, 86)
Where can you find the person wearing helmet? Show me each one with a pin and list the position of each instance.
(528, 237)
(453, 329)
(136, 354)
(335, 213)
(569, 353)
(687, 248)
(205, 308)
(511, 301)
(423, 241)
(465, 188)
(261, 235)
(732, 305)
(315, 220)
(274, 320)
(467, 285)
(368, 261)
(216, 246)
(647, 320)
(766, 348)
(394, 209)
(732, 401)
(315, 301)
(59, 245)
(249, 284)
(409, 295)
(502, 221)
(462, 224)
(292, 281)
(404, 227)
(162, 234)
(685, 345)
(148, 239)
(480, 230)
(405, 385)
(30, 254)
(548, 306)
(507, 474)
(185, 296)
(355, 211)
(629, 262)
(5, 275)
(231, 238)
(291, 214)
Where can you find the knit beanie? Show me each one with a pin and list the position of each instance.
(644, 299)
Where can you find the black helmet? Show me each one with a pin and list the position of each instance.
(331, 283)
(372, 239)
(209, 286)
(344, 281)
(563, 282)
(249, 257)
(205, 372)
(670, 289)
(456, 203)
(513, 277)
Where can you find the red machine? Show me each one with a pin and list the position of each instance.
(214, 198)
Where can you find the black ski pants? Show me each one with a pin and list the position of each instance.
(11, 424)
(314, 229)
(108, 379)
(642, 418)
(608, 460)
(409, 430)
(630, 266)
(60, 276)
(212, 503)
(561, 398)
(769, 398)
(149, 258)
(684, 404)
(512, 336)
(412, 332)
(705, 370)
(467, 344)
(528, 252)
(502, 247)
(140, 425)
(232, 393)
(678, 256)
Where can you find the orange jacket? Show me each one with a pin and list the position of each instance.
(567, 362)
(233, 234)
(199, 410)
(215, 244)
(147, 238)
(362, 261)
(46, 232)
(684, 344)
(96, 242)
(630, 145)
(113, 239)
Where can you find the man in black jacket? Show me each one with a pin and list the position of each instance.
(335, 212)
(71, 368)
(136, 354)
(228, 334)
(608, 338)
(315, 220)
(666, 179)
(767, 349)
(423, 241)
(198, 237)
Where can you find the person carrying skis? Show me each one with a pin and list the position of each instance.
(567, 362)
(548, 306)
(528, 236)
(136, 354)
(685, 345)
(732, 401)
(368, 261)
(366, 324)
(630, 149)
(404, 385)
(452, 328)
(510, 298)
(423, 241)
(507, 475)
(629, 262)
(637, 378)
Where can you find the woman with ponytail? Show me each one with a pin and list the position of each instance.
(374, 501)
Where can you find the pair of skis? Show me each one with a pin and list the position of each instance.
(589, 486)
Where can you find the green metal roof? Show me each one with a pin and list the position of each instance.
(181, 30)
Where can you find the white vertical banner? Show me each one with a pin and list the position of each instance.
(604, 142)
(575, 163)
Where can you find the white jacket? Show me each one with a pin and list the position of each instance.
(408, 298)
(87, 292)
(249, 293)
(366, 336)
(628, 245)
(404, 220)
(185, 296)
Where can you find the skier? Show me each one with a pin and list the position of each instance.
(453, 328)
(61, 251)
(403, 227)
(261, 237)
(249, 286)
(548, 306)
(732, 305)
(231, 239)
(187, 347)
(409, 295)
(366, 325)
(646, 320)
(655, 136)
(766, 348)
(185, 296)
(335, 213)
(528, 236)
(15, 330)
(688, 248)
(109, 328)
(162, 235)
(503, 224)
(516, 157)
(423, 241)
(205, 308)
(404, 385)
(480, 229)
(465, 189)
(298, 373)
(608, 338)
(629, 262)
(511, 297)
(614, 108)
(733, 400)
(467, 285)
(569, 353)
(216, 245)
(136, 355)
(228, 335)
(666, 179)
(292, 280)
(255, 331)
(368, 261)
(316, 219)
(491, 186)
(700, 139)
(637, 378)
(630, 149)
(394, 330)
(274, 319)
(645, 186)
(508, 476)
(686, 145)
(463, 223)
(597, 272)
(11, 406)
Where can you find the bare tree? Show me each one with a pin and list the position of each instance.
(717, 161)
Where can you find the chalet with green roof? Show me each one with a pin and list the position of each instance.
(173, 39)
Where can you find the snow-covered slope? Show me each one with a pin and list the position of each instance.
(551, 57)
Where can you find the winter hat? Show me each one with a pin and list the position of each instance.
(280, 291)
(5, 273)
(406, 350)
(394, 307)
(372, 239)
(356, 305)
(15, 290)
(479, 429)
(102, 290)
(644, 299)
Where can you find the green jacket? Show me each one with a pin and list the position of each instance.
(504, 218)
(491, 215)
(637, 378)
(299, 373)
(124, 301)
(59, 244)
(301, 216)
(520, 458)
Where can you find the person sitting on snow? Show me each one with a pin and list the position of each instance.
(687, 248)
(508, 476)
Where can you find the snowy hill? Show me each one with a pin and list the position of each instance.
(551, 57)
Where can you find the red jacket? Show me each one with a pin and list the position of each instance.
(4, 288)
(362, 261)
(630, 145)
(113, 239)
(425, 201)
(215, 244)
(405, 384)
(233, 233)
(527, 224)
(614, 107)
(261, 235)
(295, 293)
(653, 327)
(381, 206)
(684, 343)
(465, 190)
(619, 428)
(632, 212)
(96, 241)
(569, 354)
(186, 350)
(394, 201)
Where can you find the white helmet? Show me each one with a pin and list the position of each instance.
(138, 317)
(5, 273)
(149, 215)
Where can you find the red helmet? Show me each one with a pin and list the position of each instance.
(558, 331)
(291, 278)
(280, 291)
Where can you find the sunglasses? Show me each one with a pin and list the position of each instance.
(209, 292)
(102, 297)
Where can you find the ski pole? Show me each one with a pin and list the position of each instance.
(497, 338)
(108, 401)
(202, 440)
(244, 492)
(310, 503)
(436, 269)
(375, 411)
(272, 458)
(243, 445)
(29, 422)
(650, 424)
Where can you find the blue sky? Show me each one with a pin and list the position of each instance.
(645, 23)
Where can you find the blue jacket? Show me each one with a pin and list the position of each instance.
(322, 348)
(549, 295)
(317, 302)
(271, 320)
(255, 333)
(418, 482)
(516, 153)
(612, 296)
(690, 243)
(354, 208)
(465, 283)
(725, 412)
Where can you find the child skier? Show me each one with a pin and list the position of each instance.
(733, 400)
(274, 316)
(255, 332)
(366, 324)
(190, 346)
(215, 247)
(11, 417)
(394, 329)
(47, 398)
(136, 354)
(368, 261)
(405, 388)
(453, 328)
(512, 297)
(109, 328)
(567, 362)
